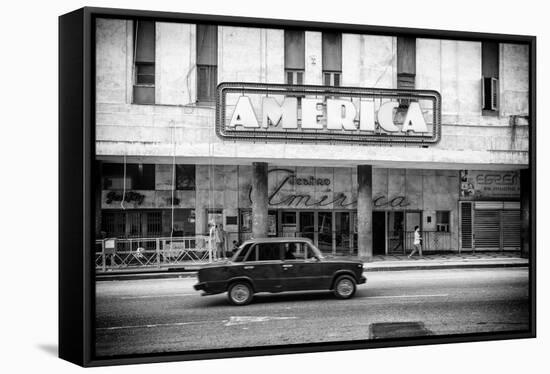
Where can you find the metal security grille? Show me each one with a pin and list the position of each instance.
(154, 223)
(487, 229)
(114, 224)
(511, 226)
(134, 224)
(466, 225)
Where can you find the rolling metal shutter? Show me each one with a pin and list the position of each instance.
(466, 225)
(487, 229)
(511, 229)
(495, 225)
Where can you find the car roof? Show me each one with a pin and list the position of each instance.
(279, 240)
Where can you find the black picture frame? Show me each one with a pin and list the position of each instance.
(78, 178)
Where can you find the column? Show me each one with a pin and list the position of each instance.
(525, 198)
(364, 211)
(259, 200)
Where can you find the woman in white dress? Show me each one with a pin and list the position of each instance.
(417, 243)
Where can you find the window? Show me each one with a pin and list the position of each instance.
(113, 224)
(298, 251)
(207, 62)
(295, 51)
(406, 63)
(289, 218)
(185, 177)
(184, 222)
(490, 76)
(138, 177)
(332, 58)
(154, 223)
(442, 221)
(269, 251)
(144, 62)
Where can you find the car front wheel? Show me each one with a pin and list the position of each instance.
(240, 293)
(344, 287)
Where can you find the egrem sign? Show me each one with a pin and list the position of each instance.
(288, 113)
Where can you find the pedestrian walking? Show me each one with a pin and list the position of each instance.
(417, 243)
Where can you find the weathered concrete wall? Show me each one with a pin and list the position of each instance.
(460, 78)
(514, 79)
(368, 61)
(469, 140)
(250, 55)
(314, 57)
(175, 50)
(454, 69)
(112, 53)
(239, 54)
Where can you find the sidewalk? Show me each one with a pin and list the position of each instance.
(378, 263)
(446, 261)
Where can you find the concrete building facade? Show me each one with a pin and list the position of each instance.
(166, 172)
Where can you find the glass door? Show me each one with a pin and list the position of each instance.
(342, 233)
(324, 230)
(307, 225)
(396, 224)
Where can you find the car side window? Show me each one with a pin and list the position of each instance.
(252, 254)
(269, 251)
(241, 256)
(309, 252)
(293, 251)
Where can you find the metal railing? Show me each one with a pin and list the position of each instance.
(431, 240)
(117, 253)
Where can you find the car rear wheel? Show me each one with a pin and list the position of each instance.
(240, 293)
(344, 287)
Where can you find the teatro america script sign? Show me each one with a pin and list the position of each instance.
(289, 113)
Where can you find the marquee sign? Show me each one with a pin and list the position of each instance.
(292, 113)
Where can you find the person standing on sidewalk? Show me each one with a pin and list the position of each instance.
(417, 243)
(219, 241)
(212, 246)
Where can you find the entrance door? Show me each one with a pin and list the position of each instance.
(324, 229)
(396, 224)
(342, 232)
(379, 233)
(307, 225)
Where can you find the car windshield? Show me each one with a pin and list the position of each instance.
(241, 253)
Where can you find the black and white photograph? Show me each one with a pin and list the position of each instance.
(286, 184)
(268, 187)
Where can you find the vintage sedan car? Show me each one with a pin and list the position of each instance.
(277, 265)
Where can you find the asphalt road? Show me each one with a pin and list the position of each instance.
(163, 315)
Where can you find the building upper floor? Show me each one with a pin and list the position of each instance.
(156, 88)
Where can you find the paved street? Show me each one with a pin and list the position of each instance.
(162, 315)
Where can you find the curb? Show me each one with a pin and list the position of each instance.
(168, 274)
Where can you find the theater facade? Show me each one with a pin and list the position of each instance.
(348, 139)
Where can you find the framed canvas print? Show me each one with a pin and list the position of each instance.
(236, 186)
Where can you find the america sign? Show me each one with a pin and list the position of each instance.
(327, 114)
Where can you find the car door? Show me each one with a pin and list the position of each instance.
(263, 266)
(300, 269)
